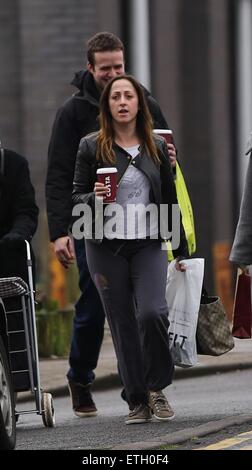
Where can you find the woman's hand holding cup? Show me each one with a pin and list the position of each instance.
(100, 190)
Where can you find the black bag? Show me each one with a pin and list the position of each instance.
(213, 335)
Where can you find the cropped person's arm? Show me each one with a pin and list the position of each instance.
(25, 210)
(241, 253)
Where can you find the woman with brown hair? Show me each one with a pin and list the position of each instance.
(127, 264)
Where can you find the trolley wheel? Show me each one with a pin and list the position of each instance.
(7, 407)
(48, 415)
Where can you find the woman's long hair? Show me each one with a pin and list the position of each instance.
(144, 124)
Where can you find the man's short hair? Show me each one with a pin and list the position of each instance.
(102, 42)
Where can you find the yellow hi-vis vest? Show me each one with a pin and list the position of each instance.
(186, 212)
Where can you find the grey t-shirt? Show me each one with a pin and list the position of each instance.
(132, 220)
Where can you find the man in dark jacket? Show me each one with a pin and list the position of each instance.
(18, 209)
(76, 118)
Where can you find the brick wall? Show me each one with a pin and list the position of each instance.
(42, 44)
(52, 39)
(10, 97)
(191, 80)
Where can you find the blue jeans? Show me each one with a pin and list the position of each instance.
(88, 326)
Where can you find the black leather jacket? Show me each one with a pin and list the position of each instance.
(161, 178)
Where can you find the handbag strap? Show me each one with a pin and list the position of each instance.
(204, 292)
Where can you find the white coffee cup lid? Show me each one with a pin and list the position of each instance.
(162, 131)
(110, 169)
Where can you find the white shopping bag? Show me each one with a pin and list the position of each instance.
(183, 294)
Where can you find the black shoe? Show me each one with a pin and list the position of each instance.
(83, 404)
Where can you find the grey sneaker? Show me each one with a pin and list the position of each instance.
(140, 414)
(160, 406)
(83, 404)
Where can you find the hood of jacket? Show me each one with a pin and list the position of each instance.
(83, 80)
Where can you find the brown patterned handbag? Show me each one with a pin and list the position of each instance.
(213, 334)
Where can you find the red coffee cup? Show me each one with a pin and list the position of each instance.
(166, 133)
(108, 176)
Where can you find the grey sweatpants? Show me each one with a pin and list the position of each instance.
(131, 278)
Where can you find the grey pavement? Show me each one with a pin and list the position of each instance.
(53, 379)
(53, 370)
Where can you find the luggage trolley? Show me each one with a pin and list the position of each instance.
(18, 299)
